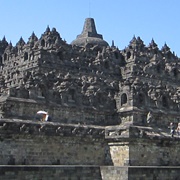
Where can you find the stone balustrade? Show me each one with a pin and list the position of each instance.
(50, 128)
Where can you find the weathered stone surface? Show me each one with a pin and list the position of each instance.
(50, 172)
(89, 35)
(140, 172)
(99, 84)
(108, 106)
(27, 142)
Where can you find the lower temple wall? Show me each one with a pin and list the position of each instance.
(46, 150)
(114, 173)
(89, 173)
(50, 173)
(145, 152)
(140, 173)
(50, 144)
(50, 150)
(154, 173)
(160, 152)
(142, 146)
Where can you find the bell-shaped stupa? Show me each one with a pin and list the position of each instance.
(89, 35)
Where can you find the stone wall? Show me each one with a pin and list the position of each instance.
(142, 146)
(140, 173)
(154, 153)
(29, 148)
(119, 153)
(114, 173)
(34, 143)
(21, 108)
(57, 172)
(50, 172)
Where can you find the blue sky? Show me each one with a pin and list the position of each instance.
(117, 20)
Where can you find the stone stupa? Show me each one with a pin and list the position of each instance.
(89, 35)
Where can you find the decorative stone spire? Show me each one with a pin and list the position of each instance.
(21, 42)
(47, 30)
(55, 33)
(33, 38)
(89, 35)
(90, 29)
(165, 48)
(136, 43)
(112, 43)
(139, 40)
(4, 40)
(9, 47)
(153, 44)
(3, 45)
(54, 30)
(133, 40)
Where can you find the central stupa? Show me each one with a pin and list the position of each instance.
(89, 35)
